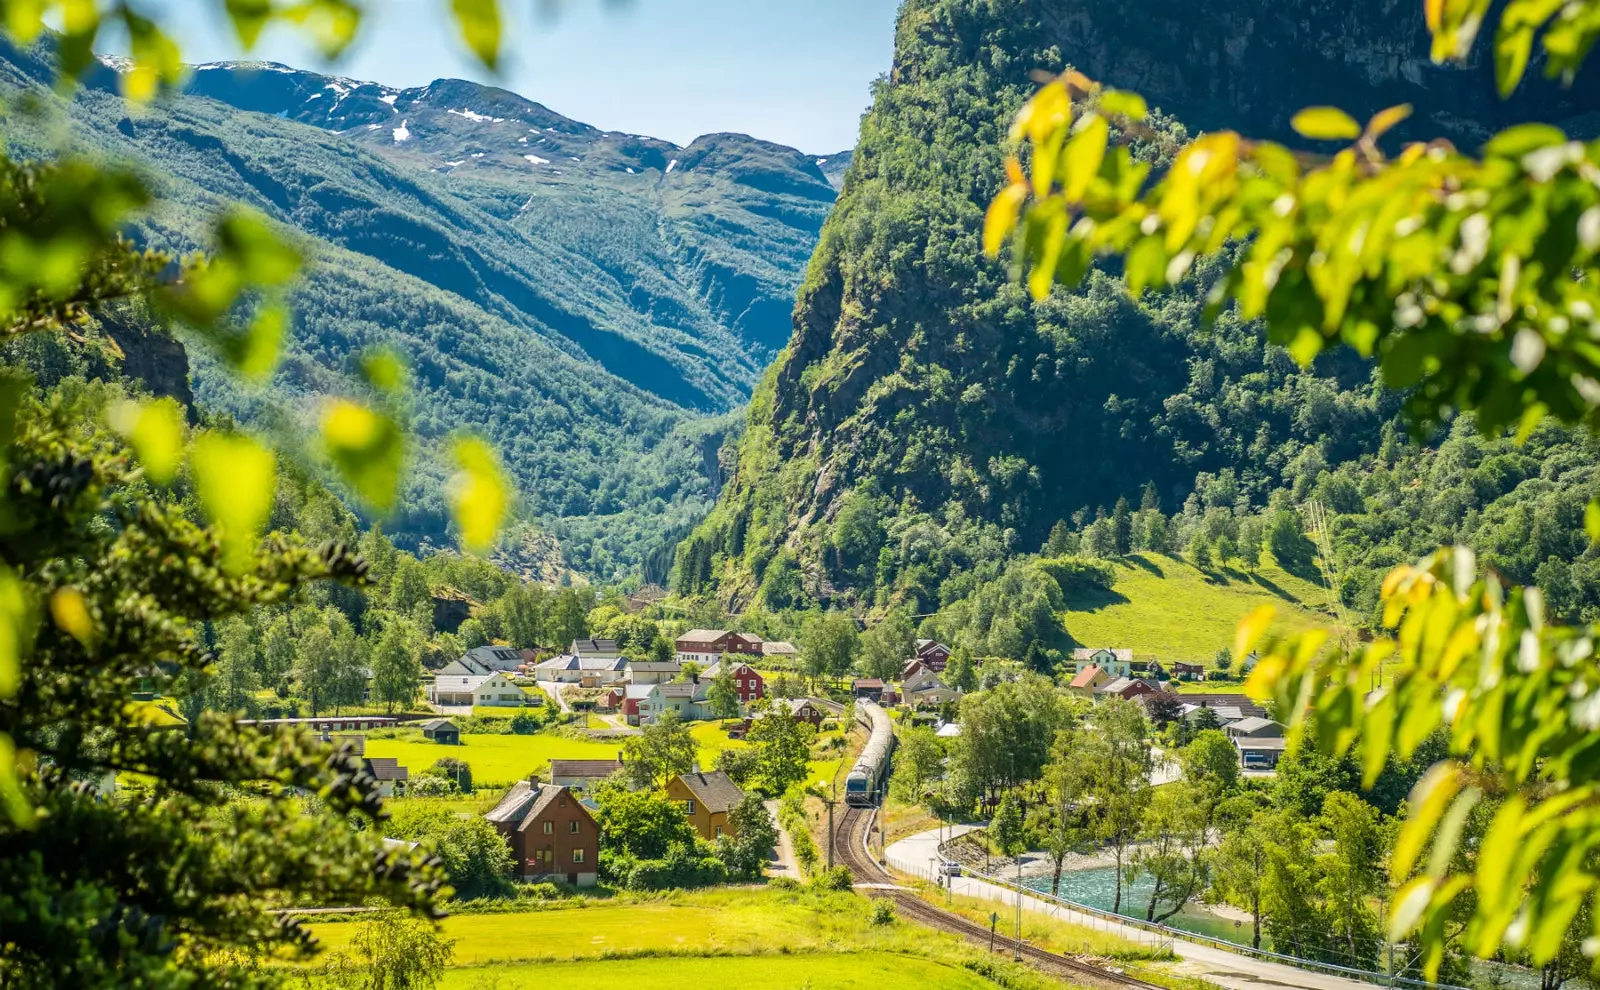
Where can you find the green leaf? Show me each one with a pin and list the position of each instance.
(1429, 798)
(236, 479)
(1251, 628)
(1123, 103)
(155, 431)
(1325, 124)
(1444, 844)
(1514, 142)
(479, 23)
(479, 493)
(1591, 520)
(368, 449)
(384, 370)
(16, 631)
(1085, 152)
(1385, 120)
(1001, 219)
(11, 796)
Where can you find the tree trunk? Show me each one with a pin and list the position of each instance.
(1116, 902)
(1055, 881)
(1255, 919)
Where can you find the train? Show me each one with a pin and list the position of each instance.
(864, 785)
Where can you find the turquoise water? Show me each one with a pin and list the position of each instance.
(1097, 889)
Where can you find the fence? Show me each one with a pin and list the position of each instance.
(1169, 934)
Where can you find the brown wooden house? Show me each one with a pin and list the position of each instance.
(551, 834)
(707, 799)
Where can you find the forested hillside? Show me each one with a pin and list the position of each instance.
(928, 421)
(592, 302)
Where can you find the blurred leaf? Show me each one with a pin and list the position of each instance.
(1121, 102)
(1591, 520)
(367, 448)
(480, 494)
(156, 59)
(1325, 124)
(70, 612)
(16, 631)
(1001, 219)
(1429, 799)
(384, 370)
(1251, 628)
(1386, 120)
(236, 480)
(16, 803)
(479, 23)
(155, 431)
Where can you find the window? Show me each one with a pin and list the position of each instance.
(688, 807)
(572, 827)
(719, 831)
(577, 855)
(549, 827)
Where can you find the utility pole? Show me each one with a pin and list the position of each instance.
(1017, 956)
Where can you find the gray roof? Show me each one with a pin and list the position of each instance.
(602, 663)
(434, 725)
(496, 657)
(584, 768)
(655, 667)
(677, 689)
(595, 647)
(386, 768)
(513, 807)
(564, 662)
(715, 791)
(638, 690)
(1251, 726)
(1260, 742)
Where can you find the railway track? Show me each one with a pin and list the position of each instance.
(849, 841)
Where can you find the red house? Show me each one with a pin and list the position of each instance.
(935, 655)
(751, 686)
(551, 834)
(706, 646)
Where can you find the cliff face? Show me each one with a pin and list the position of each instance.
(155, 359)
(926, 414)
(1249, 65)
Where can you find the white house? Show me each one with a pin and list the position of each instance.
(924, 687)
(653, 672)
(677, 696)
(1115, 663)
(590, 671)
(497, 690)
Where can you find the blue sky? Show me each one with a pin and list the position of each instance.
(793, 71)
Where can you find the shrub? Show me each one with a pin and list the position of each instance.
(430, 785)
(540, 892)
(784, 883)
(454, 770)
(837, 878)
(524, 724)
(883, 912)
(683, 866)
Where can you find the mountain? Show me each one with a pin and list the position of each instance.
(928, 421)
(594, 303)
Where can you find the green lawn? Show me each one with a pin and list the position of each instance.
(1163, 607)
(748, 936)
(496, 761)
(826, 971)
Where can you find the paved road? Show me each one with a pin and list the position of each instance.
(912, 855)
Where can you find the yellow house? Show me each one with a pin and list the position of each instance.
(707, 800)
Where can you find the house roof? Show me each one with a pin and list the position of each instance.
(677, 689)
(503, 656)
(1084, 653)
(596, 647)
(702, 635)
(456, 683)
(637, 690)
(584, 768)
(1260, 742)
(524, 803)
(866, 682)
(1248, 726)
(949, 730)
(602, 663)
(715, 791)
(1225, 713)
(564, 662)
(778, 648)
(925, 686)
(465, 667)
(433, 725)
(1086, 676)
(795, 704)
(1118, 686)
(387, 768)
(747, 638)
(655, 667)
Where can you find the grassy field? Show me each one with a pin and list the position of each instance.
(825, 971)
(752, 937)
(496, 761)
(1050, 933)
(1164, 607)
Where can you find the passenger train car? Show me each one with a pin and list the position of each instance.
(864, 785)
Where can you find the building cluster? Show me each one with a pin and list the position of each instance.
(1113, 673)
(551, 829)
(921, 683)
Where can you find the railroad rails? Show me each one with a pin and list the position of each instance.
(849, 841)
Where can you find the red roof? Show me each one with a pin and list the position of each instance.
(1085, 676)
